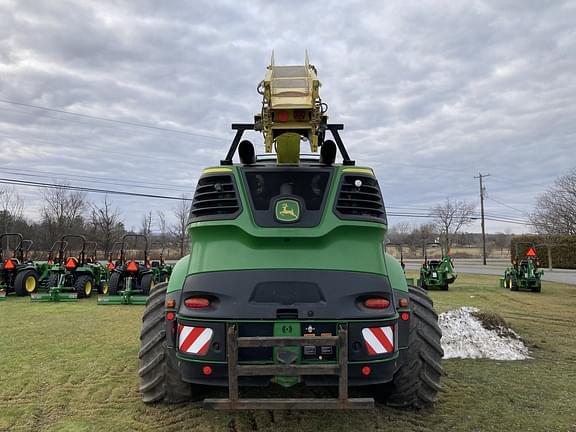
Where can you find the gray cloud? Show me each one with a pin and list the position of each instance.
(431, 92)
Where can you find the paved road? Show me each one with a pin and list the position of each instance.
(497, 268)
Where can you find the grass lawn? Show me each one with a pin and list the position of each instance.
(73, 367)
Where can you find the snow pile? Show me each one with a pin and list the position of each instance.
(465, 336)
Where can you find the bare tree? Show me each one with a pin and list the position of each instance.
(449, 218)
(423, 234)
(63, 211)
(106, 224)
(162, 226)
(555, 211)
(11, 208)
(146, 224)
(400, 233)
(178, 229)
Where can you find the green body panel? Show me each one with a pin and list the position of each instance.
(228, 247)
(179, 273)
(395, 273)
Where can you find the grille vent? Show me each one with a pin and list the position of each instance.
(216, 197)
(359, 197)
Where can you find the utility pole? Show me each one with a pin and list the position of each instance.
(481, 176)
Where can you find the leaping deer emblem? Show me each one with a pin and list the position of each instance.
(287, 211)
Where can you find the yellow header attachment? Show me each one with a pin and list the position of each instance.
(290, 103)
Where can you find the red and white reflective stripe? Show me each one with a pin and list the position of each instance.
(379, 340)
(194, 340)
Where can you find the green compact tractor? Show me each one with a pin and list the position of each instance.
(17, 274)
(437, 274)
(71, 277)
(130, 280)
(161, 270)
(524, 274)
(287, 280)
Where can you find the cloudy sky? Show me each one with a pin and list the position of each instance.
(431, 93)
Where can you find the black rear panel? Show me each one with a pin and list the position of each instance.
(287, 294)
(308, 186)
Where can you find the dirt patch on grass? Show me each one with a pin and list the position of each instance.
(493, 321)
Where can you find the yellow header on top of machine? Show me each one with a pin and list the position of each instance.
(290, 103)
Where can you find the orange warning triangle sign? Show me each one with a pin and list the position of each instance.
(531, 252)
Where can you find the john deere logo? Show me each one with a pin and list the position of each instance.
(287, 211)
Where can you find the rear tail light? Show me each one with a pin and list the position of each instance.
(404, 316)
(207, 370)
(197, 303)
(376, 303)
(366, 370)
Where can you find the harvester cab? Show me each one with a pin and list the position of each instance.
(17, 274)
(161, 270)
(287, 280)
(71, 276)
(524, 273)
(436, 274)
(131, 279)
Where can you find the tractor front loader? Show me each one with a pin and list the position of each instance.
(18, 274)
(437, 274)
(524, 273)
(130, 280)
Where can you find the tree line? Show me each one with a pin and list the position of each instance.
(65, 211)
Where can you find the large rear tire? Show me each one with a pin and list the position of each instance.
(115, 283)
(513, 285)
(83, 286)
(160, 379)
(147, 283)
(417, 382)
(26, 282)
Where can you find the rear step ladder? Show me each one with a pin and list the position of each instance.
(235, 370)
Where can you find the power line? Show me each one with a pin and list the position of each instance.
(43, 185)
(123, 122)
(151, 186)
(51, 174)
(506, 205)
